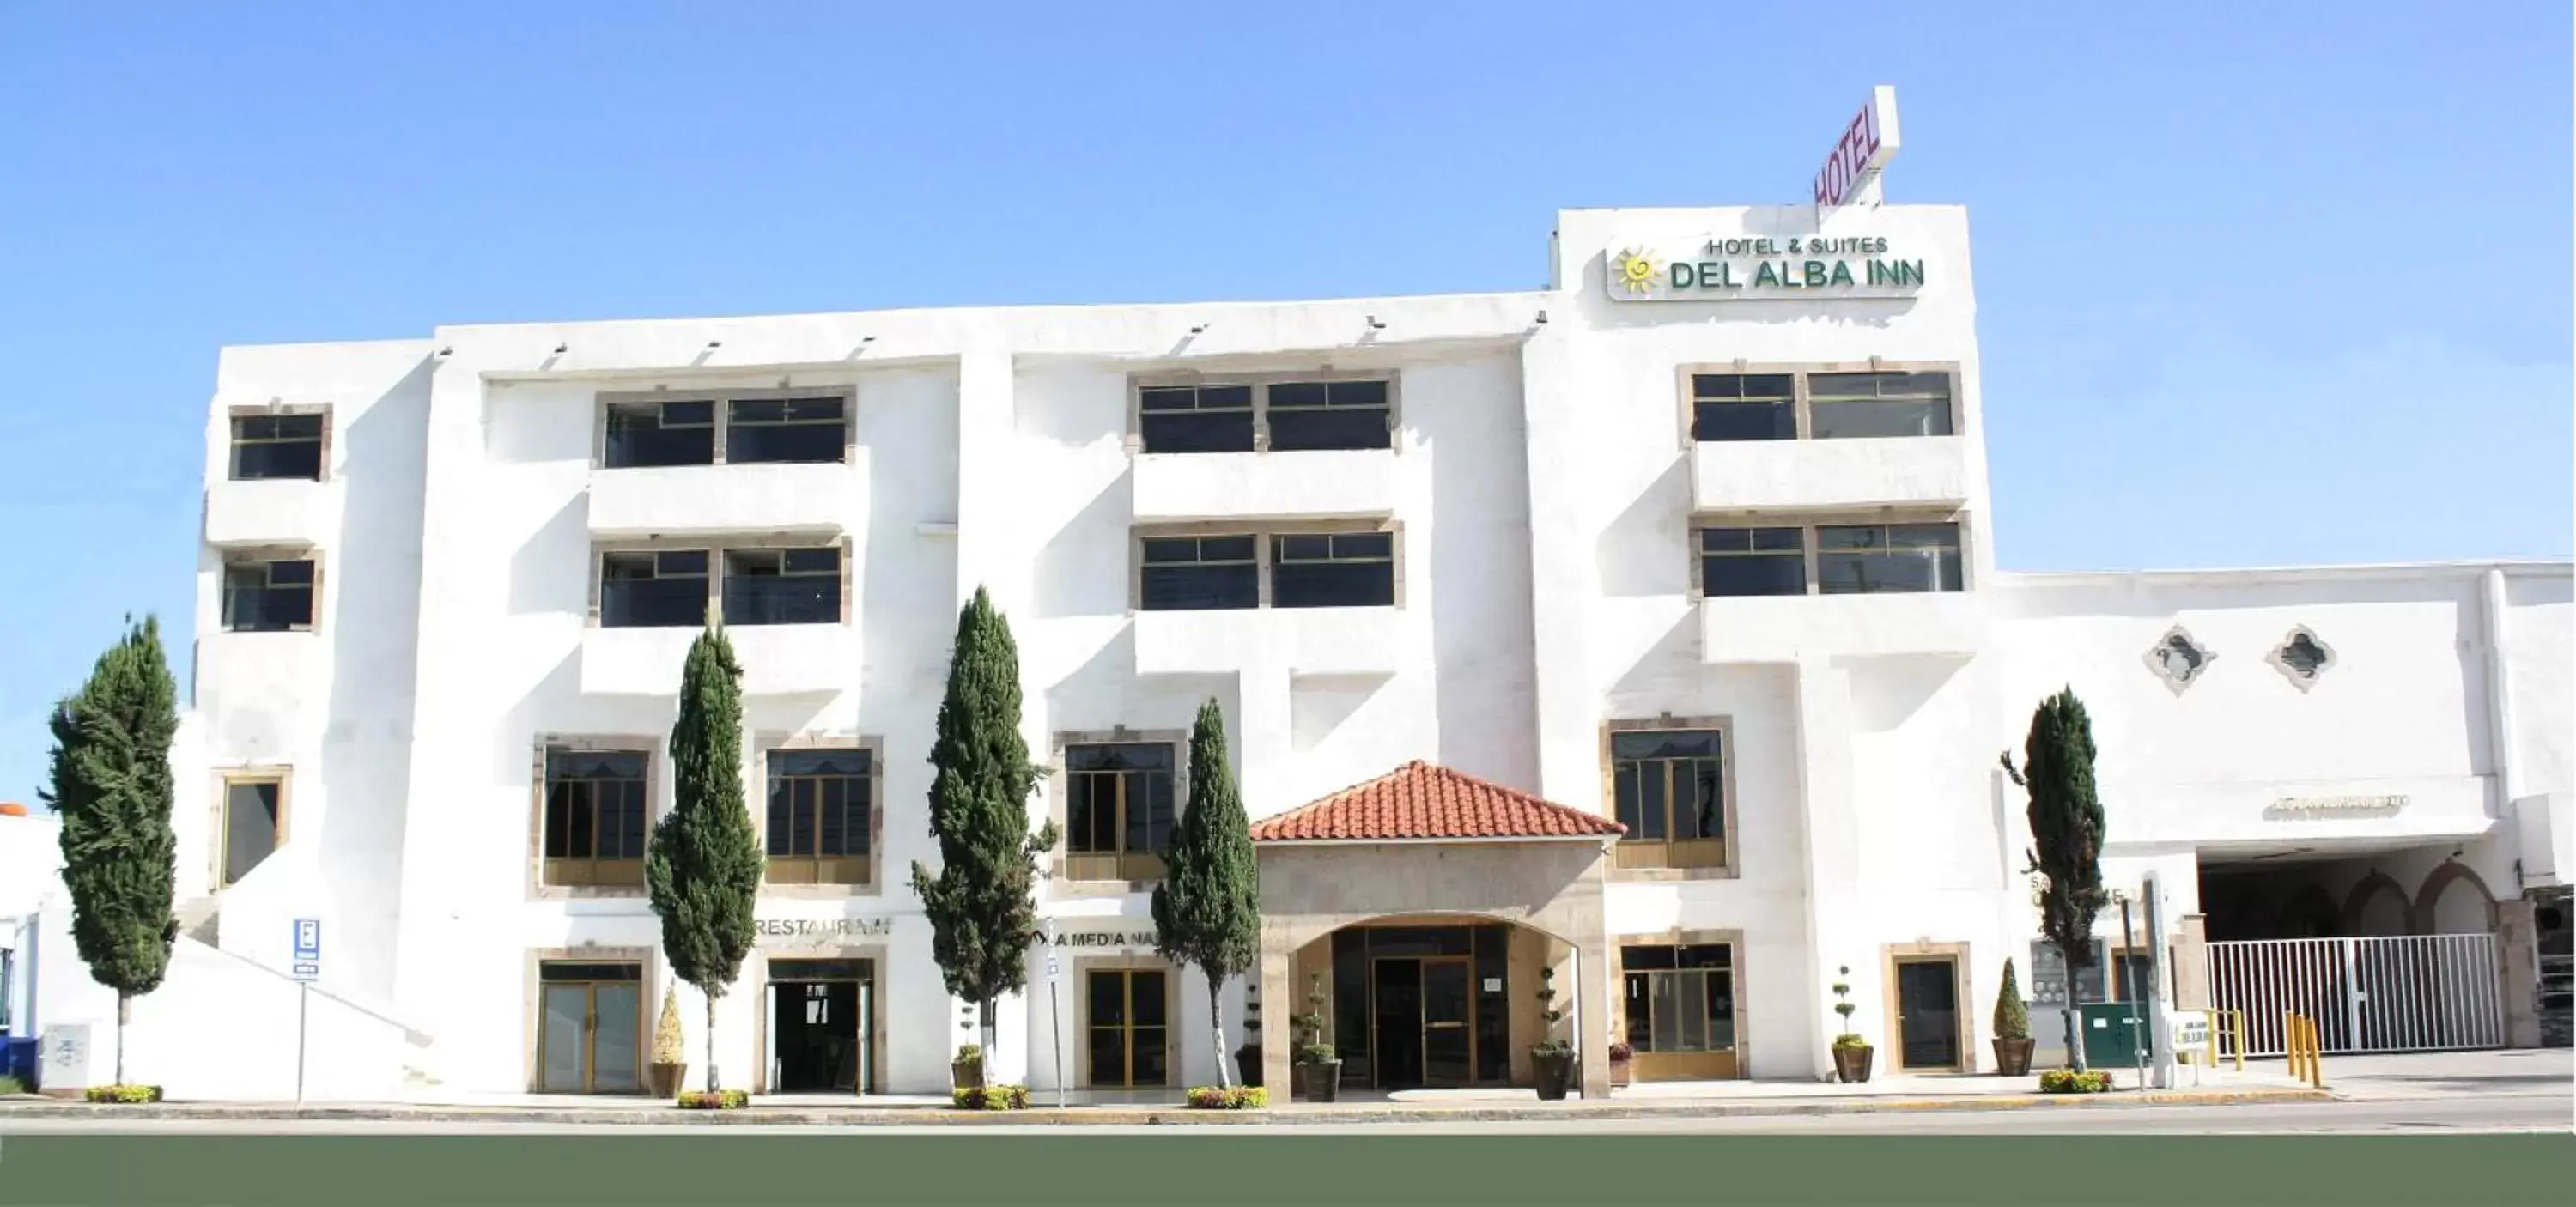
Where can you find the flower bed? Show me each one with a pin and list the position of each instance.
(123, 1093)
(719, 1100)
(991, 1098)
(1220, 1098)
(2068, 1081)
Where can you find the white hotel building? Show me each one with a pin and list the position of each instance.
(1700, 551)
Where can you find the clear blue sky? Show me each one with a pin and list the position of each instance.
(2259, 283)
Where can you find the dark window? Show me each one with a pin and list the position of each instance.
(819, 804)
(652, 590)
(1195, 419)
(661, 433)
(1740, 406)
(250, 825)
(268, 597)
(1128, 1038)
(1329, 415)
(277, 446)
(1753, 561)
(1872, 558)
(1333, 570)
(783, 586)
(1843, 406)
(1668, 784)
(594, 815)
(1191, 572)
(1679, 999)
(562, 970)
(1119, 798)
(786, 429)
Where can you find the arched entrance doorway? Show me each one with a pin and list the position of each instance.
(1431, 1000)
(1424, 910)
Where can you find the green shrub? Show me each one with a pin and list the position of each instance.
(991, 1098)
(2012, 1015)
(716, 1100)
(1223, 1098)
(11, 1085)
(2070, 1081)
(123, 1093)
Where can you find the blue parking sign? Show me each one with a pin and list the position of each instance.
(308, 940)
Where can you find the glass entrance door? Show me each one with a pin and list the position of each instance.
(1396, 1022)
(814, 1030)
(820, 1024)
(590, 1028)
(1927, 1014)
(1448, 1033)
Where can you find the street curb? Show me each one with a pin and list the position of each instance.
(758, 1116)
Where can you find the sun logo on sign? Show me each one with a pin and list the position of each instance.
(1634, 271)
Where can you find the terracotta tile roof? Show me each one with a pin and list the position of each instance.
(1419, 800)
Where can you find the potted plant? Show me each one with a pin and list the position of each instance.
(966, 1069)
(1247, 1059)
(1851, 1052)
(2012, 1028)
(1319, 1064)
(670, 1059)
(1620, 1056)
(1552, 1057)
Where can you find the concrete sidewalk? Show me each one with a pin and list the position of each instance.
(1704, 1100)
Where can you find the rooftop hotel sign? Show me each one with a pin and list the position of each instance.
(1765, 267)
(1850, 174)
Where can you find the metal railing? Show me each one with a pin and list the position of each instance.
(2413, 993)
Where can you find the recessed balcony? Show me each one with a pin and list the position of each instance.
(777, 660)
(1787, 628)
(681, 499)
(1760, 475)
(285, 512)
(1306, 641)
(1218, 486)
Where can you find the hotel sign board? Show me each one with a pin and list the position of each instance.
(1851, 172)
(1780, 268)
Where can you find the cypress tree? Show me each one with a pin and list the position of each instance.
(112, 788)
(982, 911)
(2066, 828)
(703, 865)
(1207, 910)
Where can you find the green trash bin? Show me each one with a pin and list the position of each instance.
(2113, 1032)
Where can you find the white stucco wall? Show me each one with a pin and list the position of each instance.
(1545, 490)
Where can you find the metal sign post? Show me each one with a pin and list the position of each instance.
(308, 967)
(1055, 1015)
(2159, 1021)
(2120, 966)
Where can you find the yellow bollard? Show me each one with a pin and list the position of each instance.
(2237, 1018)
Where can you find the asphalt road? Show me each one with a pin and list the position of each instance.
(2522, 1112)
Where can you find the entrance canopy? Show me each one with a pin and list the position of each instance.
(1420, 802)
(1428, 846)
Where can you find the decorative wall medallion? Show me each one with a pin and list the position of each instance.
(2178, 659)
(2302, 657)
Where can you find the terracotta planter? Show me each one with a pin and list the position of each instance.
(1319, 1082)
(1553, 1073)
(967, 1074)
(1619, 1074)
(1851, 1064)
(664, 1080)
(2012, 1057)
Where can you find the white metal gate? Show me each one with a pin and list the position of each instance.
(2414, 993)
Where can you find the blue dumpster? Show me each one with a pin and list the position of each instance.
(18, 1059)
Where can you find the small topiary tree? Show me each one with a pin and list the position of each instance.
(668, 1043)
(2012, 1015)
(1844, 1007)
